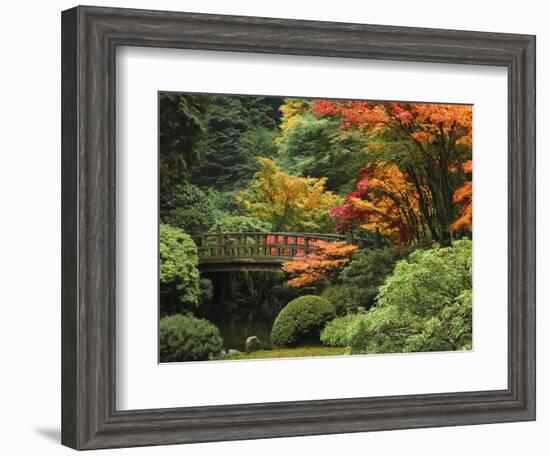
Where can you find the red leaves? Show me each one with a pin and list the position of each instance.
(384, 202)
(437, 138)
(422, 122)
(403, 115)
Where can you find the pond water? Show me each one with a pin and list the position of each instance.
(246, 304)
(235, 331)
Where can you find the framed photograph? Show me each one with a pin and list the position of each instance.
(282, 228)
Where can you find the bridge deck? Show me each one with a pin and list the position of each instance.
(259, 251)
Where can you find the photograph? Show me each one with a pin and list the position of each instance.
(298, 227)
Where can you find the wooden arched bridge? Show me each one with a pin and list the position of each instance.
(219, 252)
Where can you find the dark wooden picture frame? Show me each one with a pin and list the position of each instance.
(90, 36)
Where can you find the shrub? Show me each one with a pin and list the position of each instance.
(179, 274)
(186, 195)
(340, 296)
(189, 219)
(223, 202)
(335, 333)
(424, 306)
(240, 224)
(187, 338)
(367, 271)
(301, 320)
(187, 207)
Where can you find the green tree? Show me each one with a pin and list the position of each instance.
(319, 148)
(187, 207)
(240, 224)
(367, 271)
(424, 306)
(179, 274)
(239, 129)
(182, 127)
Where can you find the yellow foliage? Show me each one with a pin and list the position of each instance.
(289, 203)
(389, 202)
(292, 110)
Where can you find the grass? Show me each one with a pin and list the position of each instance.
(293, 352)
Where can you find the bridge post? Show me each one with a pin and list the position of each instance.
(220, 242)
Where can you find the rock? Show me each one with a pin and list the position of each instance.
(252, 344)
(232, 352)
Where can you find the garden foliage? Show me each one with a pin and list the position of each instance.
(240, 224)
(301, 320)
(398, 174)
(367, 271)
(189, 208)
(179, 274)
(335, 333)
(463, 196)
(321, 265)
(239, 128)
(424, 306)
(288, 203)
(183, 127)
(422, 147)
(187, 338)
(340, 297)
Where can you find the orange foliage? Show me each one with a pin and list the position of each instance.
(463, 196)
(384, 201)
(325, 262)
(434, 141)
(421, 122)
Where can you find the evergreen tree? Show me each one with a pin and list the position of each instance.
(182, 128)
(240, 128)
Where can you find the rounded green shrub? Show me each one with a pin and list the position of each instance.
(187, 338)
(301, 320)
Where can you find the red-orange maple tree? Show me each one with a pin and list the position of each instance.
(384, 202)
(326, 261)
(428, 142)
(463, 196)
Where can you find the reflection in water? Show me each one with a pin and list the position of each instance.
(235, 330)
(246, 304)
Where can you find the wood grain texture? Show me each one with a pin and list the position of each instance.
(90, 36)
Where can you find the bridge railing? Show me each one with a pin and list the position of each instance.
(256, 244)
